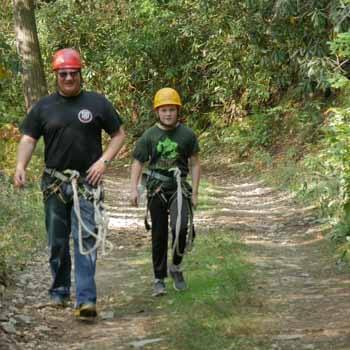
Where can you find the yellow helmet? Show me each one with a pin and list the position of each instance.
(166, 96)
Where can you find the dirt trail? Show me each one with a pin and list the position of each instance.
(302, 301)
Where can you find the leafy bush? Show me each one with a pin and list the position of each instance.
(226, 58)
(11, 97)
(21, 224)
(331, 167)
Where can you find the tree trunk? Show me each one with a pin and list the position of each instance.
(33, 77)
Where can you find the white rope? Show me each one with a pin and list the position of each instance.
(189, 240)
(101, 220)
(176, 248)
(100, 215)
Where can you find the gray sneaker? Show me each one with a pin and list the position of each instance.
(177, 275)
(159, 288)
(59, 302)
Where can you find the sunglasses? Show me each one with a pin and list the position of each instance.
(64, 75)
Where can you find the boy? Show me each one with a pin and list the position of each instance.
(168, 147)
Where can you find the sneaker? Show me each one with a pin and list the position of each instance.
(86, 311)
(159, 288)
(177, 275)
(59, 302)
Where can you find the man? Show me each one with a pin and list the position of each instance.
(71, 122)
(168, 147)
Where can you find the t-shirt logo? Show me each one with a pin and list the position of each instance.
(168, 152)
(85, 116)
(167, 149)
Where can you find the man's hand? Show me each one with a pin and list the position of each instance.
(134, 197)
(96, 171)
(19, 177)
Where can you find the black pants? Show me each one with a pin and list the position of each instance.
(161, 208)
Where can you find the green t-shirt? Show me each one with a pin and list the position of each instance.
(166, 149)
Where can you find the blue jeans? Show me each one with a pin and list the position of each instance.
(60, 222)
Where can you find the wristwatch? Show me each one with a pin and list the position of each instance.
(106, 162)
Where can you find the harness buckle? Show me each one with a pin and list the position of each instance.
(73, 174)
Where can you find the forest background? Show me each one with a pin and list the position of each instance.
(264, 84)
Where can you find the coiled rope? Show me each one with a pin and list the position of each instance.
(100, 215)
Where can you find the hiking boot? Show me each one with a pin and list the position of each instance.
(159, 288)
(178, 278)
(59, 302)
(86, 311)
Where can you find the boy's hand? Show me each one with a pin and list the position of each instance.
(194, 200)
(134, 198)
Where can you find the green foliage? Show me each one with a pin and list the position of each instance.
(9, 138)
(341, 45)
(21, 212)
(21, 224)
(330, 182)
(11, 97)
(262, 126)
(333, 170)
(226, 58)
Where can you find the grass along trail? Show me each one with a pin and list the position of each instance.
(290, 296)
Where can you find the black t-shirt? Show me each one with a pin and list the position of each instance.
(72, 128)
(166, 149)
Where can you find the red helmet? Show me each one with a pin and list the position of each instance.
(66, 58)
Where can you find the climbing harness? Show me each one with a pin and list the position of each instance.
(151, 176)
(180, 192)
(94, 195)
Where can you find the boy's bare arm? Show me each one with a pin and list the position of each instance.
(196, 173)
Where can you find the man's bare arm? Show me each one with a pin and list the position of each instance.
(26, 148)
(96, 171)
